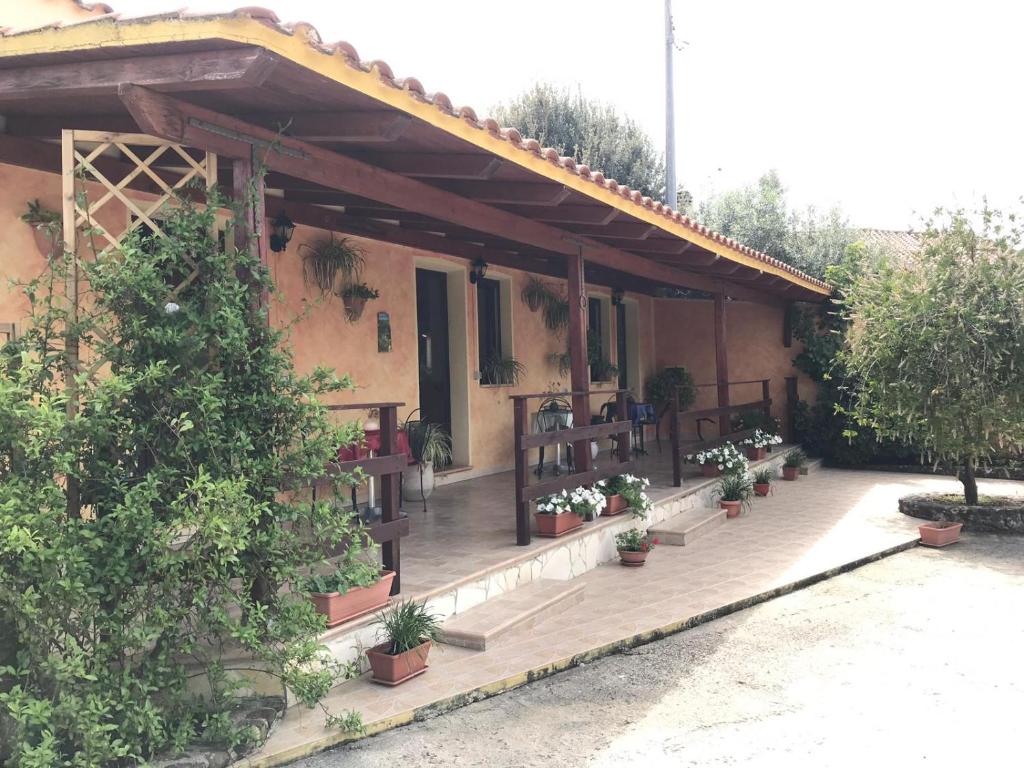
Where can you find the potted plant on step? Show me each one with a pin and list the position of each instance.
(354, 586)
(725, 459)
(757, 444)
(626, 492)
(430, 447)
(354, 296)
(794, 462)
(734, 493)
(407, 630)
(763, 481)
(634, 546)
(563, 512)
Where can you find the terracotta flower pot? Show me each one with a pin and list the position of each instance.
(632, 559)
(557, 525)
(339, 608)
(732, 508)
(710, 470)
(392, 670)
(756, 454)
(939, 534)
(616, 504)
(762, 489)
(354, 306)
(790, 473)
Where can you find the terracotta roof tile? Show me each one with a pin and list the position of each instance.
(439, 100)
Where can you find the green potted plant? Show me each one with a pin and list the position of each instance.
(353, 586)
(634, 546)
(323, 260)
(734, 492)
(406, 631)
(626, 492)
(725, 459)
(354, 296)
(795, 460)
(763, 481)
(601, 368)
(659, 390)
(560, 513)
(431, 448)
(502, 371)
(535, 293)
(46, 227)
(758, 444)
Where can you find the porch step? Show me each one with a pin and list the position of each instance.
(685, 528)
(811, 466)
(521, 608)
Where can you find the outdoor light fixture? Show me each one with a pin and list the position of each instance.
(617, 294)
(477, 271)
(281, 230)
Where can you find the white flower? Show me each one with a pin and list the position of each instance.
(171, 308)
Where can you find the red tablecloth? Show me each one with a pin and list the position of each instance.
(371, 442)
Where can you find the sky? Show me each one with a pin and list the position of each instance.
(886, 109)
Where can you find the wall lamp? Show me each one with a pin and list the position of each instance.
(281, 230)
(477, 271)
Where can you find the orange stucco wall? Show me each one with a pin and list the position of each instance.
(753, 342)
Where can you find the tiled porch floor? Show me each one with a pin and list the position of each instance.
(824, 521)
(470, 526)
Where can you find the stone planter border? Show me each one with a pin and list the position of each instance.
(999, 519)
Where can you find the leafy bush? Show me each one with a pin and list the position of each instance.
(144, 535)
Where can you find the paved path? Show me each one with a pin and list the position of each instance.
(913, 660)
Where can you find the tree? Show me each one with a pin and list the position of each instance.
(759, 216)
(179, 551)
(935, 345)
(590, 132)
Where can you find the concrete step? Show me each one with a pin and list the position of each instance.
(521, 608)
(685, 528)
(812, 465)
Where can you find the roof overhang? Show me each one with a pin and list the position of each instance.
(247, 67)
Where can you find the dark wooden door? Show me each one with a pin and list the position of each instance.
(432, 331)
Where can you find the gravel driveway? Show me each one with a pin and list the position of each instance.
(916, 659)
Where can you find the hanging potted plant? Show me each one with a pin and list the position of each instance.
(757, 445)
(563, 512)
(430, 447)
(502, 372)
(354, 296)
(323, 260)
(46, 228)
(535, 293)
(734, 492)
(556, 313)
(793, 463)
(352, 587)
(763, 481)
(633, 547)
(626, 492)
(725, 459)
(406, 631)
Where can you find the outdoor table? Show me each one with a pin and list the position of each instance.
(641, 414)
(552, 420)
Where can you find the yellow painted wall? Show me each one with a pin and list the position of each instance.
(27, 14)
(754, 343)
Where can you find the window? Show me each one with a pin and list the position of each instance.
(598, 351)
(489, 327)
(621, 346)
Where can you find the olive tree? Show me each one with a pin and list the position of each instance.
(935, 345)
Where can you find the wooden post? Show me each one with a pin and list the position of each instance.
(579, 373)
(673, 430)
(519, 428)
(792, 397)
(721, 362)
(622, 414)
(766, 394)
(391, 552)
(71, 302)
(249, 191)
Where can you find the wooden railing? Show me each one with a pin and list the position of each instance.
(723, 414)
(388, 466)
(580, 436)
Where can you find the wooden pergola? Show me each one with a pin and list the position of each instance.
(349, 148)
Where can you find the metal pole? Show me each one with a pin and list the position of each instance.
(671, 188)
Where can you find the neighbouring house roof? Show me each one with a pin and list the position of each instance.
(898, 243)
(301, 44)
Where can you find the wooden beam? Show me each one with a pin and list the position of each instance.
(579, 374)
(436, 166)
(509, 192)
(362, 127)
(721, 359)
(184, 123)
(625, 230)
(196, 71)
(662, 246)
(567, 214)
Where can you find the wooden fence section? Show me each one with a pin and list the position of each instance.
(388, 467)
(725, 431)
(579, 436)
